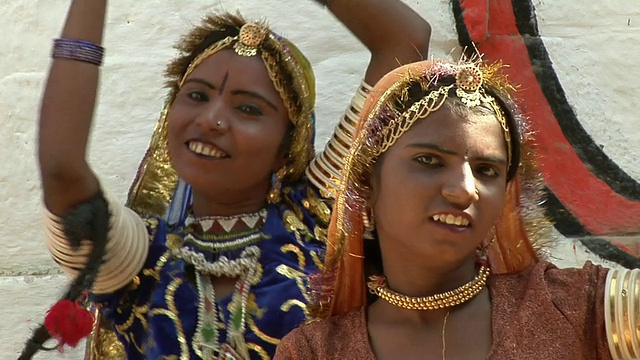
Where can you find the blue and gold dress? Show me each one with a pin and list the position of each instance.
(170, 310)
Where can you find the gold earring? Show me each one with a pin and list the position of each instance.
(482, 257)
(274, 194)
(369, 224)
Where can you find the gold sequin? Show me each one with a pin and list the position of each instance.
(287, 305)
(296, 275)
(264, 337)
(172, 313)
(292, 222)
(259, 350)
(302, 262)
(174, 242)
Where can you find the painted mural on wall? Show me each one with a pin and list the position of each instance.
(589, 195)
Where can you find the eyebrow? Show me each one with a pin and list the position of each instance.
(235, 92)
(443, 150)
(257, 96)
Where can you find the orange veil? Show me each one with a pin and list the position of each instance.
(519, 232)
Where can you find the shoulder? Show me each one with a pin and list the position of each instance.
(573, 289)
(546, 274)
(325, 338)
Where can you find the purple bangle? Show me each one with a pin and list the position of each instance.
(78, 50)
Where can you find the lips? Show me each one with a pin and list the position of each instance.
(206, 149)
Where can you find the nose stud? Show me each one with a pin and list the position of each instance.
(477, 191)
(219, 124)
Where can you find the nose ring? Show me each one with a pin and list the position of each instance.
(219, 123)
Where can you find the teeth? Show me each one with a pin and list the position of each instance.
(451, 220)
(206, 150)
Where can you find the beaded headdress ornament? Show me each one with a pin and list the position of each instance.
(384, 119)
(291, 75)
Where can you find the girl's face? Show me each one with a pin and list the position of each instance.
(440, 188)
(226, 127)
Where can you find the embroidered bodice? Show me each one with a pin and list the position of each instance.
(170, 310)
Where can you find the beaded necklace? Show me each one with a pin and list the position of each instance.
(378, 286)
(218, 246)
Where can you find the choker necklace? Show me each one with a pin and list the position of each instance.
(227, 224)
(378, 286)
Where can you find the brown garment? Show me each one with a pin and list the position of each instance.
(540, 313)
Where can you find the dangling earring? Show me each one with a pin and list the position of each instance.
(482, 258)
(276, 185)
(369, 224)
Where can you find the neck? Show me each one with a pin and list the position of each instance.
(428, 280)
(227, 205)
(421, 281)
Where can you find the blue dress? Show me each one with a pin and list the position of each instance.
(166, 306)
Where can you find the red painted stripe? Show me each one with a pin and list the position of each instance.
(475, 17)
(590, 200)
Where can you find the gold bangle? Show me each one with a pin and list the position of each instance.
(323, 182)
(633, 311)
(610, 317)
(621, 309)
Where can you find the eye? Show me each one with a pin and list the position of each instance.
(428, 160)
(250, 110)
(488, 171)
(198, 96)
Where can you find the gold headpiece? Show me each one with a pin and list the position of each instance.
(251, 37)
(468, 88)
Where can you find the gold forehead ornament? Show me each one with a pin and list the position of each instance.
(468, 83)
(251, 36)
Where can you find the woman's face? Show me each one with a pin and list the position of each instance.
(226, 127)
(424, 195)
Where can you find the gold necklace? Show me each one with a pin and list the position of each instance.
(378, 286)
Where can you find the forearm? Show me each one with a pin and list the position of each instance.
(66, 112)
(391, 30)
(125, 253)
(325, 169)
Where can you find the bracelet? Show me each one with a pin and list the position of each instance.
(78, 50)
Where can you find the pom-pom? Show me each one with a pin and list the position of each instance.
(68, 322)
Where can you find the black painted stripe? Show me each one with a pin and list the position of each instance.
(585, 147)
(565, 222)
(464, 39)
(569, 226)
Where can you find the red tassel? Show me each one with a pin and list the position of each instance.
(68, 322)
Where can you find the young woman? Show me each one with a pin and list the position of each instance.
(439, 210)
(210, 258)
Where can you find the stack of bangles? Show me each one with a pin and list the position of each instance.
(126, 250)
(78, 50)
(621, 309)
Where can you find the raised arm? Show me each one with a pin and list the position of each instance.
(395, 35)
(67, 109)
(391, 30)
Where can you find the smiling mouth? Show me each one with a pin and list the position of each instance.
(451, 220)
(207, 150)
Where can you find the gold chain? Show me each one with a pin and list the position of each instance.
(444, 333)
(378, 286)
